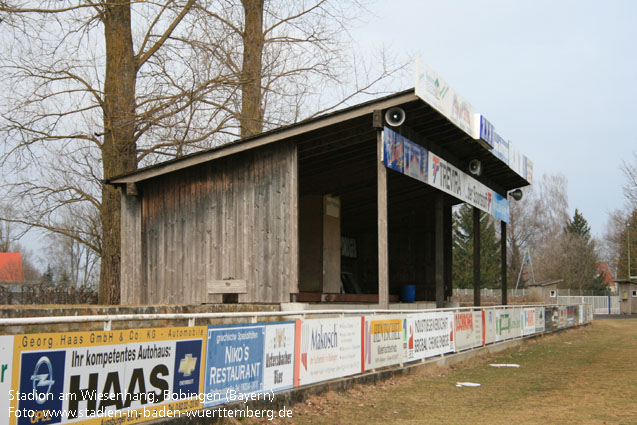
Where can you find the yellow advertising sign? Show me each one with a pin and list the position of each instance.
(105, 377)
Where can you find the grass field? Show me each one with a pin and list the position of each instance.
(580, 376)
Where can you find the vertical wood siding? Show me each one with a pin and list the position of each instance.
(233, 218)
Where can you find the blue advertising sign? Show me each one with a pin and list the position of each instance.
(393, 150)
(415, 160)
(404, 156)
(234, 361)
(246, 359)
(187, 367)
(501, 208)
(487, 131)
(42, 377)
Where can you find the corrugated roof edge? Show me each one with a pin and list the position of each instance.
(261, 139)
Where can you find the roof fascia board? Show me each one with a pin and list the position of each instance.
(234, 148)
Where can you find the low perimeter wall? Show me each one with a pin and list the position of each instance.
(136, 373)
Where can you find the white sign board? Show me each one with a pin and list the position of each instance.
(330, 348)
(449, 179)
(508, 323)
(385, 341)
(431, 88)
(528, 321)
(488, 326)
(6, 373)
(430, 334)
(468, 329)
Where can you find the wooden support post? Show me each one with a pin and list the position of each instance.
(503, 249)
(476, 256)
(383, 240)
(440, 249)
(448, 241)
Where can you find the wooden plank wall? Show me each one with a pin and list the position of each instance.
(231, 219)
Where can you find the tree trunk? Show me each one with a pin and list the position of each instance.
(251, 119)
(119, 148)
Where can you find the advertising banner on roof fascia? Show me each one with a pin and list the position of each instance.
(131, 375)
(430, 334)
(468, 329)
(329, 348)
(385, 341)
(247, 359)
(508, 323)
(434, 90)
(446, 177)
(403, 155)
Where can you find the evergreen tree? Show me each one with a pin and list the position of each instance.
(463, 250)
(578, 226)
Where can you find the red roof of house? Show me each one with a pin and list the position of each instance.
(11, 267)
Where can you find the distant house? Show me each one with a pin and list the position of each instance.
(545, 291)
(627, 296)
(11, 267)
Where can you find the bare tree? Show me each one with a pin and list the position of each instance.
(94, 89)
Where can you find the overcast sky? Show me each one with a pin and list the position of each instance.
(557, 78)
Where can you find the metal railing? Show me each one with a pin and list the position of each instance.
(601, 304)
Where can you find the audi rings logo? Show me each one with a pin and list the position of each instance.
(42, 379)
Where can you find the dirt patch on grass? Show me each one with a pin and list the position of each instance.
(585, 375)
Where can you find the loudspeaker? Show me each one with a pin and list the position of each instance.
(475, 167)
(395, 116)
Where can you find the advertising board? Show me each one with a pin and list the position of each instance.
(468, 329)
(101, 377)
(385, 341)
(430, 334)
(561, 321)
(508, 323)
(539, 319)
(246, 359)
(403, 155)
(435, 91)
(488, 326)
(548, 319)
(570, 316)
(528, 321)
(449, 179)
(6, 373)
(329, 348)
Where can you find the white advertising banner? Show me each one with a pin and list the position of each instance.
(430, 334)
(330, 348)
(385, 341)
(539, 319)
(508, 323)
(431, 88)
(468, 329)
(6, 374)
(278, 370)
(528, 321)
(449, 179)
(561, 322)
(488, 326)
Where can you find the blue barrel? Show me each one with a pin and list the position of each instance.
(408, 293)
